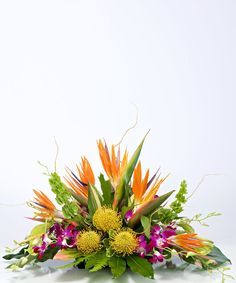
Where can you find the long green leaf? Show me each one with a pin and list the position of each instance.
(106, 190)
(82, 200)
(74, 263)
(22, 253)
(148, 208)
(117, 265)
(146, 223)
(140, 265)
(217, 255)
(94, 199)
(120, 190)
(39, 229)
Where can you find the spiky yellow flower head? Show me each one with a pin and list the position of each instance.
(106, 219)
(88, 242)
(124, 242)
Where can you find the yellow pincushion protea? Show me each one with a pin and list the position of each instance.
(124, 242)
(106, 219)
(88, 242)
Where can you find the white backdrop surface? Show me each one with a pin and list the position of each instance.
(75, 69)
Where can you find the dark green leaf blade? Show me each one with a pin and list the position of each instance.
(49, 254)
(148, 208)
(18, 255)
(145, 221)
(217, 255)
(140, 266)
(94, 199)
(117, 265)
(106, 190)
(120, 190)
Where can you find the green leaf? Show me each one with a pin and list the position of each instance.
(106, 190)
(97, 261)
(187, 227)
(20, 263)
(49, 254)
(82, 200)
(212, 260)
(120, 190)
(140, 265)
(218, 256)
(145, 221)
(148, 208)
(39, 229)
(74, 263)
(117, 265)
(18, 255)
(94, 199)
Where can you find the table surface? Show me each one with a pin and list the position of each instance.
(47, 272)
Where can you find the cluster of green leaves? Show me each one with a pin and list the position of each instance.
(26, 254)
(166, 215)
(63, 196)
(212, 260)
(117, 264)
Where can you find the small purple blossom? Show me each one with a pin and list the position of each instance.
(143, 248)
(159, 236)
(155, 230)
(157, 257)
(40, 250)
(157, 242)
(65, 237)
(128, 215)
(58, 235)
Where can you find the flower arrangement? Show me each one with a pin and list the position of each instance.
(125, 224)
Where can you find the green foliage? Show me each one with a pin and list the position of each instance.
(186, 226)
(218, 256)
(166, 215)
(74, 263)
(140, 265)
(117, 265)
(180, 199)
(63, 196)
(148, 208)
(94, 199)
(97, 261)
(106, 187)
(213, 260)
(49, 254)
(20, 263)
(146, 223)
(39, 229)
(125, 178)
(22, 253)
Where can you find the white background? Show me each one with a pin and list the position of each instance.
(75, 70)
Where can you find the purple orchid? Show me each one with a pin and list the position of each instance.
(160, 235)
(128, 215)
(157, 257)
(155, 230)
(58, 236)
(40, 250)
(65, 237)
(143, 248)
